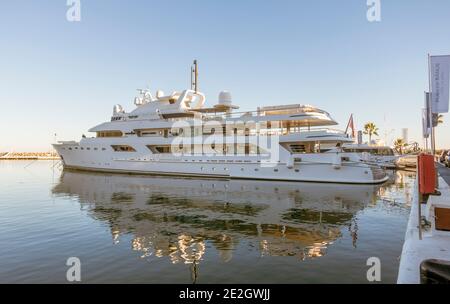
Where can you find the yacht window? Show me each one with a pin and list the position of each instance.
(247, 149)
(384, 152)
(109, 134)
(103, 149)
(153, 132)
(298, 148)
(159, 149)
(207, 131)
(177, 133)
(123, 148)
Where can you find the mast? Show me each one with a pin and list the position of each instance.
(194, 76)
(430, 112)
(430, 115)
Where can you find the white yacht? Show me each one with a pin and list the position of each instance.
(383, 156)
(177, 134)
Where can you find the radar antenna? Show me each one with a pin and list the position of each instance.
(145, 96)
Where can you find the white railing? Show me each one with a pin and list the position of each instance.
(260, 113)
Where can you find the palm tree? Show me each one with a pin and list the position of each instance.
(370, 129)
(415, 146)
(399, 144)
(440, 119)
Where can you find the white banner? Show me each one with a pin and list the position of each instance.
(439, 78)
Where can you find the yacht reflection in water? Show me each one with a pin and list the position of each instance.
(182, 218)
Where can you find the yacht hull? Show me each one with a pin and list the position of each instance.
(310, 168)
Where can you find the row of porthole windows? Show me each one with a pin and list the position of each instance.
(222, 161)
(242, 169)
(274, 170)
(213, 169)
(83, 148)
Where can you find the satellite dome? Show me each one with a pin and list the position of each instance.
(225, 98)
(159, 94)
(117, 109)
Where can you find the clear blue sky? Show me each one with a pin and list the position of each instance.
(61, 77)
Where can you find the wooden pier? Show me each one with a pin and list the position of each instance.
(29, 156)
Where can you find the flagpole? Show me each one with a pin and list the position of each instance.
(432, 140)
(430, 112)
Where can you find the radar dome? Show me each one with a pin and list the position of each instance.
(225, 98)
(117, 109)
(159, 94)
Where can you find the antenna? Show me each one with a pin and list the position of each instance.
(194, 76)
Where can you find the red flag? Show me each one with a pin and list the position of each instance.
(351, 125)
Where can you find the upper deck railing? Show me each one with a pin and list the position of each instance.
(262, 113)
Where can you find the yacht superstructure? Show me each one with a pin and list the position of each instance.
(177, 135)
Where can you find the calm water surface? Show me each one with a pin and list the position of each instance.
(141, 229)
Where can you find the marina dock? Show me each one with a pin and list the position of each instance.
(28, 156)
(430, 242)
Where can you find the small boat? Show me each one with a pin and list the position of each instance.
(383, 156)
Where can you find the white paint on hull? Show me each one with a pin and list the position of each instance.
(311, 168)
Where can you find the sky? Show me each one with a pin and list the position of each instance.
(60, 77)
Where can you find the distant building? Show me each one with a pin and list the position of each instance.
(360, 137)
(405, 135)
